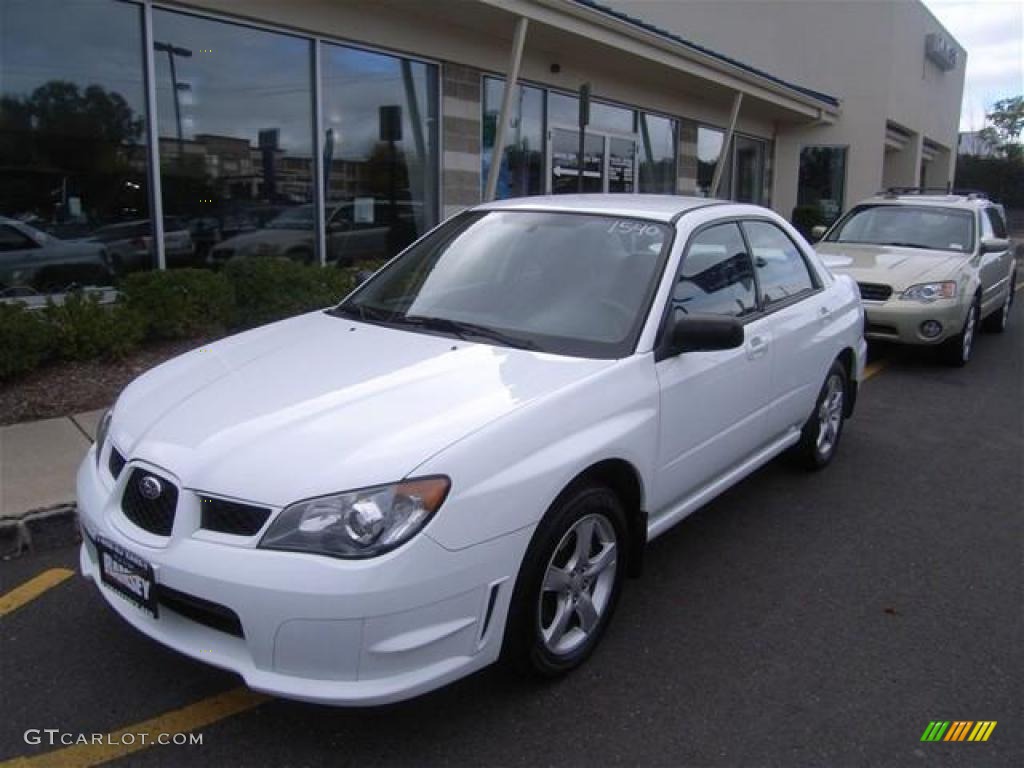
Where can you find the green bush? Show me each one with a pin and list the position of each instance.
(26, 340)
(181, 303)
(272, 289)
(84, 329)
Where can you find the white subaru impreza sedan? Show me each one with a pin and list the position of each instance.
(463, 460)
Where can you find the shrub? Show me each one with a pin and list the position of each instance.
(181, 303)
(84, 329)
(272, 289)
(26, 340)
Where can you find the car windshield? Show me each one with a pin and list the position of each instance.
(567, 283)
(300, 217)
(931, 227)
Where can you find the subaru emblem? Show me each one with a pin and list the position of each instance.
(150, 487)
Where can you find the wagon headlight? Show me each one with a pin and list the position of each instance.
(930, 291)
(358, 524)
(101, 433)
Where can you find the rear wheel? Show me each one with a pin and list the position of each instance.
(998, 320)
(957, 350)
(819, 439)
(568, 584)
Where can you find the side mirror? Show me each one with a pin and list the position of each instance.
(994, 244)
(706, 333)
(818, 231)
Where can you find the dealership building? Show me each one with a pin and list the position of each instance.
(340, 130)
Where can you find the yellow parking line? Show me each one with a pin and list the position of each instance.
(145, 735)
(874, 368)
(32, 589)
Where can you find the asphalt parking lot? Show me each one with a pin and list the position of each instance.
(797, 620)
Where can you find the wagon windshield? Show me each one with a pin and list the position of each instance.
(567, 283)
(930, 227)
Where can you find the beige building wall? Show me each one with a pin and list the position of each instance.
(867, 53)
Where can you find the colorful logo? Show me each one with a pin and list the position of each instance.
(958, 730)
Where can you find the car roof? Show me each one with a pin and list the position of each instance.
(656, 207)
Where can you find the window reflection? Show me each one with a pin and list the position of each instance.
(657, 154)
(72, 143)
(565, 110)
(709, 152)
(380, 143)
(234, 109)
(522, 159)
(822, 176)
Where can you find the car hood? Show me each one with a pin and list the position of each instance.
(277, 239)
(318, 404)
(889, 265)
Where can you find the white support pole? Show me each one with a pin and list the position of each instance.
(156, 201)
(511, 85)
(716, 180)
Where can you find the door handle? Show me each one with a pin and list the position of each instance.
(756, 347)
(825, 314)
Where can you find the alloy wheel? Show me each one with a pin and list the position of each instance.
(968, 335)
(578, 584)
(830, 415)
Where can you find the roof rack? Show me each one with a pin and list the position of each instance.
(970, 194)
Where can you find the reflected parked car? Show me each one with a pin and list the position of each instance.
(32, 261)
(356, 231)
(130, 244)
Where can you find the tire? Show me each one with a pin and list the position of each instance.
(998, 320)
(560, 609)
(956, 351)
(819, 438)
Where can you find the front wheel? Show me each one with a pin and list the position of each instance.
(998, 320)
(956, 351)
(819, 439)
(568, 585)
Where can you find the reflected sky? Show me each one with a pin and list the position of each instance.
(44, 40)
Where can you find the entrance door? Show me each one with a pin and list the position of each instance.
(609, 162)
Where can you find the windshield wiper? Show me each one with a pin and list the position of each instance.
(463, 330)
(361, 312)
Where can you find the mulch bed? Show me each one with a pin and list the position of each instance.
(65, 388)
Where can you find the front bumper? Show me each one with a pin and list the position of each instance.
(314, 628)
(900, 321)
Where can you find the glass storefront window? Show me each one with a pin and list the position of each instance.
(565, 110)
(73, 158)
(657, 154)
(380, 134)
(748, 178)
(709, 152)
(822, 180)
(234, 108)
(522, 159)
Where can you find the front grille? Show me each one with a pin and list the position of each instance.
(231, 517)
(205, 612)
(874, 291)
(153, 515)
(116, 462)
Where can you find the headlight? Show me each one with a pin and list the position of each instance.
(930, 291)
(101, 433)
(358, 524)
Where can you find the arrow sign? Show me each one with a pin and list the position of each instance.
(560, 171)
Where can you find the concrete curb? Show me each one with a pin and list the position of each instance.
(40, 529)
